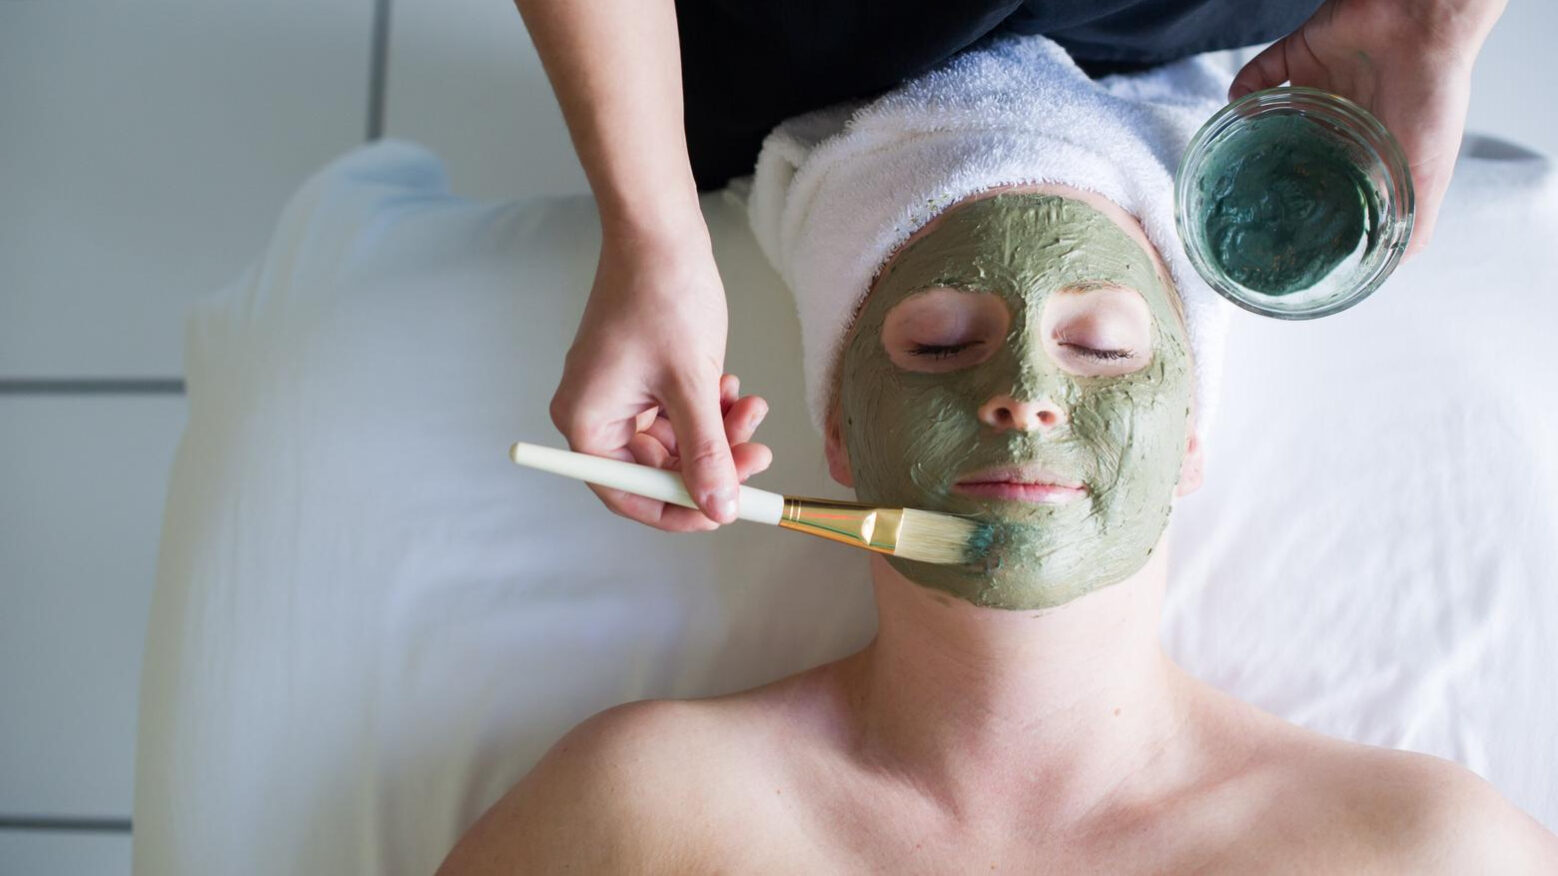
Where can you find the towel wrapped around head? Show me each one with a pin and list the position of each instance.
(837, 191)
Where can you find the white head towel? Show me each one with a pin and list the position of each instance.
(838, 190)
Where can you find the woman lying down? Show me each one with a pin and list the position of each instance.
(999, 322)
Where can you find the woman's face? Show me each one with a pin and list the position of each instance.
(1022, 361)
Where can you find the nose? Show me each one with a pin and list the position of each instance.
(1004, 412)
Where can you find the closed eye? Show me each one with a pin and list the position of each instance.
(941, 330)
(1102, 355)
(941, 351)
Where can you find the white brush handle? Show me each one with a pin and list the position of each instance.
(756, 505)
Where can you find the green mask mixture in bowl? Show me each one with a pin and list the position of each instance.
(1294, 203)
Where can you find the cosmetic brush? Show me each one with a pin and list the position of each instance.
(926, 536)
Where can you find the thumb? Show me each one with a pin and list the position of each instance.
(1266, 70)
(1430, 193)
(707, 467)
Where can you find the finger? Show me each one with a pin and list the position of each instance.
(729, 390)
(751, 458)
(648, 451)
(661, 431)
(743, 419)
(679, 519)
(1266, 70)
(651, 512)
(634, 507)
(588, 431)
(646, 418)
(594, 423)
(1430, 185)
(591, 430)
(1423, 222)
(1430, 136)
(704, 450)
(672, 518)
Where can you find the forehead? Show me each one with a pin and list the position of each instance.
(1024, 244)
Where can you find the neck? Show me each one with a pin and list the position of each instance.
(1066, 709)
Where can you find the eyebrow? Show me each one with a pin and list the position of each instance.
(1094, 286)
(1176, 301)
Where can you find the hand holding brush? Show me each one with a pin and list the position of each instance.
(926, 536)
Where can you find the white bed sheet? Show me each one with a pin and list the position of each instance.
(368, 624)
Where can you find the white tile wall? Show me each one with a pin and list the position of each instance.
(465, 80)
(42, 853)
(145, 150)
(83, 481)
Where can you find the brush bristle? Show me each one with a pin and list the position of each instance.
(930, 537)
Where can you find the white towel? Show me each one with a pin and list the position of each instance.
(838, 190)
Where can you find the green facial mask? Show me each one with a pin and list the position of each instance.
(911, 435)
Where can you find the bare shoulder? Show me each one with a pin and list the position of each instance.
(1436, 816)
(1324, 804)
(645, 787)
(617, 793)
(1409, 812)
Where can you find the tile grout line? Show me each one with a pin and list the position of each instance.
(74, 825)
(172, 386)
(91, 386)
(378, 57)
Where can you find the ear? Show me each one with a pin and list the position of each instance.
(1190, 470)
(833, 448)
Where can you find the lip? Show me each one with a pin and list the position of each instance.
(1022, 484)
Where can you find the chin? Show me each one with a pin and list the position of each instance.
(1006, 588)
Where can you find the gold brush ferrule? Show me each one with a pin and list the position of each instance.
(864, 526)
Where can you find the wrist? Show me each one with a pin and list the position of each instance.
(647, 199)
(670, 227)
(667, 260)
(1456, 29)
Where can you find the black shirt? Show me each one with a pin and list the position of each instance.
(747, 65)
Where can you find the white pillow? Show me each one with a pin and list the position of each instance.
(368, 624)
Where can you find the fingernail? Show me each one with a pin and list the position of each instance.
(725, 504)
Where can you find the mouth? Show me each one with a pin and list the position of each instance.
(1021, 484)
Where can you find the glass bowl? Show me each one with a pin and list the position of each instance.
(1294, 203)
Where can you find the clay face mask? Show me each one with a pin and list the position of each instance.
(911, 436)
(1285, 206)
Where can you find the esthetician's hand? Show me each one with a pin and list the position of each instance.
(1406, 61)
(642, 381)
(656, 445)
(644, 369)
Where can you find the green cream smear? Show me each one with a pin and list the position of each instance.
(912, 435)
(1284, 205)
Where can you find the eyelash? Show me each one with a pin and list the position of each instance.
(948, 351)
(1106, 355)
(939, 351)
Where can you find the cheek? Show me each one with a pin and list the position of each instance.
(1135, 426)
(906, 432)
(939, 439)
